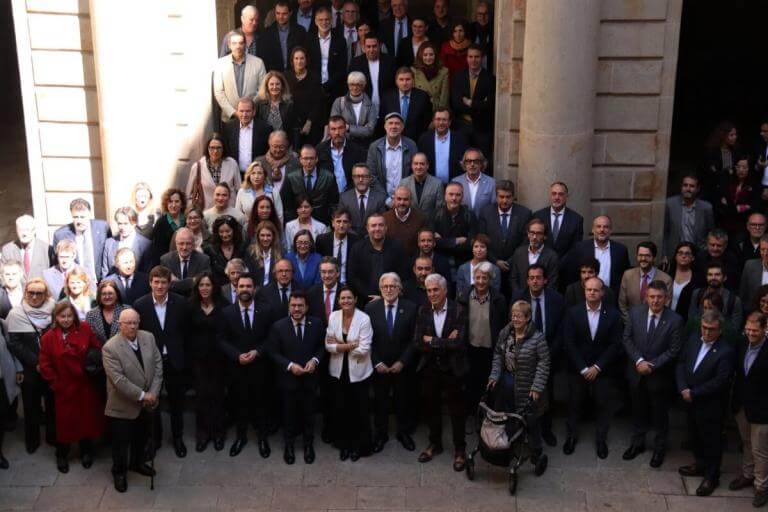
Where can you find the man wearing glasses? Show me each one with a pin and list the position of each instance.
(319, 185)
(479, 188)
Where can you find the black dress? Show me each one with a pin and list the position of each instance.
(208, 364)
(161, 238)
(352, 411)
(308, 103)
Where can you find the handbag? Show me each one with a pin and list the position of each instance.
(197, 194)
(493, 431)
(93, 364)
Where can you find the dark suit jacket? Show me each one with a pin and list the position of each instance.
(571, 230)
(749, 389)
(482, 108)
(582, 351)
(387, 32)
(324, 195)
(419, 110)
(386, 73)
(710, 383)
(445, 353)
(586, 249)
(405, 55)
(359, 274)
(234, 340)
(503, 245)
(270, 295)
(554, 309)
(353, 154)
(100, 231)
(317, 302)
(174, 336)
(337, 62)
(5, 303)
(463, 224)
(285, 348)
(459, 144)
(269, 41)
(751, 278)
(661, 351)
(261, 131)
(375, 202)
(498, 313)
(139, 286)
(397, 347)
(198, 262)
(325, 243)
(518, 267)
(41, 256)
(141, 250)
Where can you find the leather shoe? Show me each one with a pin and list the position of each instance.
(378, 444)
(32, 447)
(707, 487)
(741, 483)
(354, 455)
(218, 444)
(540, 465)
(202, 445)
(570, 445)
(430, 452)
(179, 448)
(142, 469)
(62, 464)
(309, 454)
(86, 459)
(690, 470)
(121, 482)
(288, 455)
(760, 499)
(459, 460)
(601, 447)
(343, 454)
(633, 451)
(549, 437)
(237, 446)
(657, 459)
(4, 462)
(406, 441)
(264, 449)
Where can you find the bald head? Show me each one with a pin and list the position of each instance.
(129, 323)
(249, 19)
(402, 200)
(185, 242)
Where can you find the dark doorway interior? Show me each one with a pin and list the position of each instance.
(720, 76)
(15, 193)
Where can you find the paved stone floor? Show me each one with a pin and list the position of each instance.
(390, 481)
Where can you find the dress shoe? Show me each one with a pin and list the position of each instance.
(657, 459)
(459, 460)
(406, 441)
(540, 465)
(32, 447)
(570, 445)
(288, 455)
(601, 447)
(264, 449)
(690, 470)
(741, 483)
(4, 462)
(309, 454)
(237, 446)
(633, 451)
(142, 469)
(354, 455)
(62, 464)
(86, 459)
(430, 452)
(343, 454)
(179, 448)
(121, 482)
(549, 437)
(202, 445)
(378, 444)
(218, 444)
(707, 487)
(760, 499)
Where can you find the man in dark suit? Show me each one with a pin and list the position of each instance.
(338, 153)
(474, 107)
(126, 237)
(89, 235)
(589, 267)
(717, 250)
(414, 288)
(652, 341)
(185, 262)
(747, 244)
(327, 55)
(456, 224)
(166, 316)
(750, 405)
(377, 67)
(393, 320)
(244, 327)
(565, 227)
(362, 200)
(533, 252)
(243, 128)
(396, 27)
(277, 293)
(592, 343)
(612, 255)
(275, 58)
(297, 344)
(339, 241)
(32, 253)
(444, 147)
(413, 104)
(752, 275)
(132, 283)
(317, 184)
(373, 256)
(703, 380)
(440, 338)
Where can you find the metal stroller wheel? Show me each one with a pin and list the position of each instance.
(512, 483)
(469, 467)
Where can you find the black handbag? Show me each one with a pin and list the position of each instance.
(93, 364)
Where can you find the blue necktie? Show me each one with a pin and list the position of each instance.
(504, 224)
(308, 183)
(404, 106)
(390, 319)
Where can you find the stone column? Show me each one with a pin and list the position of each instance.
(558, 100)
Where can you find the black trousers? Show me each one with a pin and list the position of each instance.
(34, 391)
(651, 399)
(209, 388)
(435, 382)
(62, 449)
(705, 430)
(129, 441)
(352, 413)
(173, 381)
(248, 384)
(479, 369)
(401, 387)
(299, 407)
(605, 397)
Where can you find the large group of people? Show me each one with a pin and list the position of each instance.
(300, 275)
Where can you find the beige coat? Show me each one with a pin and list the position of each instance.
(437, 88)
(230, 174)
(629, 294)
(125, 377)
(225, 88)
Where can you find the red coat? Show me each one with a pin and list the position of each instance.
(454, 60)
(79, 405)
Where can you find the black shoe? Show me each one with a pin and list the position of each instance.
(570, 445)
(4, 462)
(202, 445)
(86, 459)
(179, 448)
(707, 487)
(32, 447)
(264, 449)
(690, 470)
(343, 454)
(378, 444)
(549, 437)
(142, 469)
(601, 447)
(354, 455)
(218, 444)
(740, 483)
(633, 451)
(540, 465)
(406, 441)
(309, 454)
(325, 436)
(121, 482)
(237, 446)
(760, 499)
(657, 459)
(62, 464)
(288, 456)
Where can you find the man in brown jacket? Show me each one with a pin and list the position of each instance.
(403, 221)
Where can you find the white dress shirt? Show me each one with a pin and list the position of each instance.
(593, 317)
(438, 316)
(604, 257)
(160, 309)
(325, 51)
(245, 147)
(248, 308)
(473, 187)
(267, 261)
(533, 256)
(703, 351)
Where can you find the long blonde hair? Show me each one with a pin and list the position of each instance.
(263, 94)
(246, 184)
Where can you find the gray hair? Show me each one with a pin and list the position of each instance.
(711, 316)
(393, 276)
(236, 263)
(277, 133)
(437, 279)
(357, 77)
(485, 267)
(25, 220)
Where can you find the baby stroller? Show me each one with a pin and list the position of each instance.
(503, 441)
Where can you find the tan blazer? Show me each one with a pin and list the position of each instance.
(230, 174)
(437, 88)
(225, 88)
(125, 377)
(629, 293)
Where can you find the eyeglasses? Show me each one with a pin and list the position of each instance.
(33, 293)
(215, 148)
(475, 161)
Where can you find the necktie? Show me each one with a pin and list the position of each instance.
(651, 330)
(404, 106)
(390, 319)
(183, 269)
(340, 252)
(399, 35)
(538, 318)
(328, 305)
(644, 288)
(556, 227)
(299, 334)
(504, 224)
(126, 284)
(246, 320)
(27, 263)
(362, 209)
(284, 293)
(338, 19)
(308, 183)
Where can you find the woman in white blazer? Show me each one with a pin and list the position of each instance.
(348, 341)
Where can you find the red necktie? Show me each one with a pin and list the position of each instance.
(328, 306)
(26, 262)
(644, 288)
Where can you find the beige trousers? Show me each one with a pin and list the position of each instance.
(754, 464)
